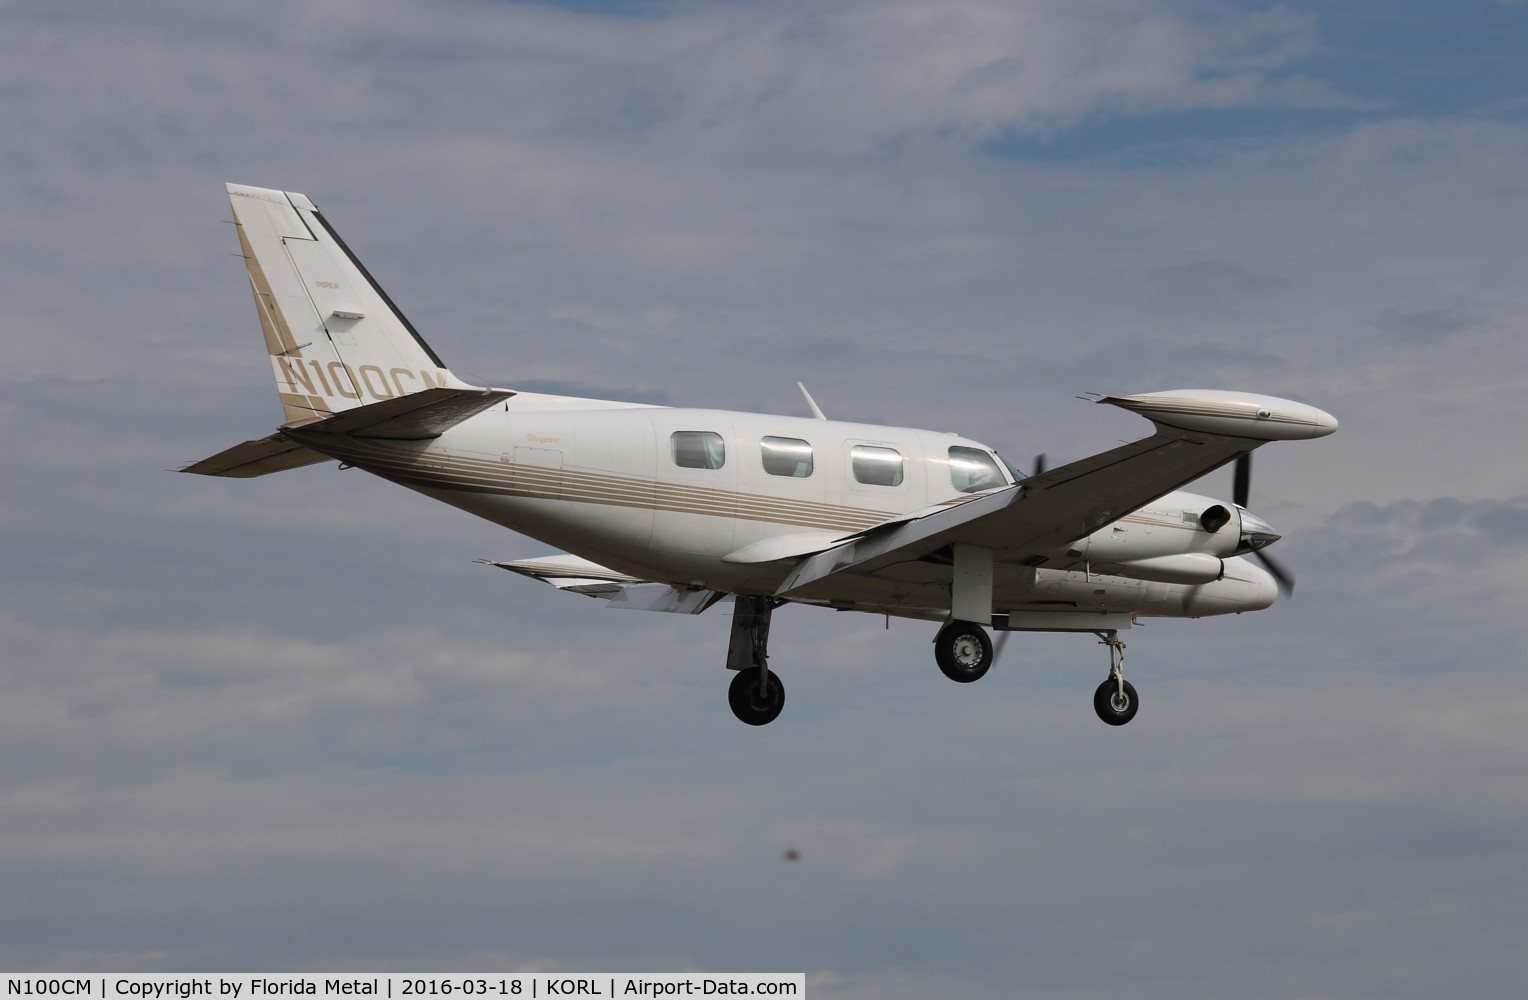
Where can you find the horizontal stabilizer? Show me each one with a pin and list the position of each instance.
(257, 458)
(415, 417)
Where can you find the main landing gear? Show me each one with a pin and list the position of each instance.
(756, 695)
(964, 654)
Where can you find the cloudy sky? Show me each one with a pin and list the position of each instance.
(287, 724)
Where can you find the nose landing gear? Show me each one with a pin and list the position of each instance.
(1115, 701)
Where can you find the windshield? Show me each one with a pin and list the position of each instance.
(973, 470)
(1013, 470)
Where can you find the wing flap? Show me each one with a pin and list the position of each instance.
(783, 547)
(628, 593)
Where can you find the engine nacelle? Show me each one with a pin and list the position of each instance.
(1174, 525)
(1188, 567)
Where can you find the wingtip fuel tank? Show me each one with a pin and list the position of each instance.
(1233, 414)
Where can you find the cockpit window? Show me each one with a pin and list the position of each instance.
(973, 470)
(876, 466)
(697, 449)
(1015, 473)
(786, 457)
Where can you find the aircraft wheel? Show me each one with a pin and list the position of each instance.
(963, 651)
(748, 704)
(1113, 709)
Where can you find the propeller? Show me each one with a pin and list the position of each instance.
(1240, 492)
(1243, 487)
(1002, 637)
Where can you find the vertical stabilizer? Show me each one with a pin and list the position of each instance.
(335, 339)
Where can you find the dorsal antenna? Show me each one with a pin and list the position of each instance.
(816, 410)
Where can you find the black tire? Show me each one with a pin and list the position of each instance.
(1105, 702)
(963, 652)
(743, 696)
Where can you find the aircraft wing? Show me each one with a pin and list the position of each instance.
(1197, 431)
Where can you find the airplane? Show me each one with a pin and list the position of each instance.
(675, 510)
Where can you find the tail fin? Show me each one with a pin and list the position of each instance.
(335, 339)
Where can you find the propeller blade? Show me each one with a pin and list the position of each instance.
(1280, 572)
(1241, 491)
(1243, 488)
(1040, 465)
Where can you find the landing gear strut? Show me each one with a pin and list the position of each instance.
(963, 651)
(1115, 701)
(756, 695)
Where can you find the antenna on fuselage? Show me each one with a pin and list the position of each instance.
(816, 410)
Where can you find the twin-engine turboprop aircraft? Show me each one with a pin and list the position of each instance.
(664, 509)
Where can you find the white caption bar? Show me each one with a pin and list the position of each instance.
(403, 986)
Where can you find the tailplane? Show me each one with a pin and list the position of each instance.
(335, 339)
(418, 416)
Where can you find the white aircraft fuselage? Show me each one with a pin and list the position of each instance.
(667, 509)
(598, 479)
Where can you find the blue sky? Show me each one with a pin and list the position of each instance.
(288, 724)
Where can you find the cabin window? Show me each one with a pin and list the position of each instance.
(876, 466)
(786, 457)
(973, 470)
(697, 449)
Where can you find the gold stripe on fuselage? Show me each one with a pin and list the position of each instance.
(498, 478)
